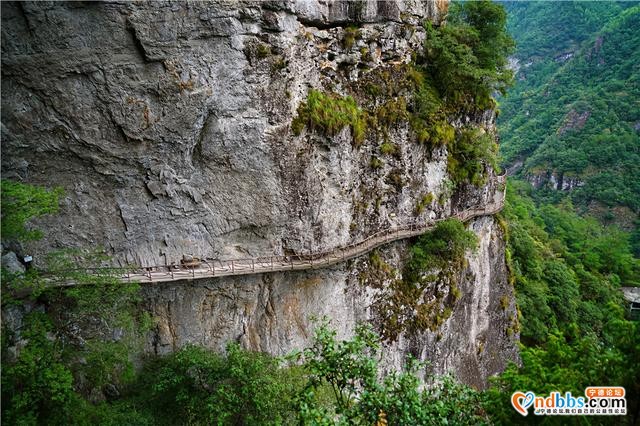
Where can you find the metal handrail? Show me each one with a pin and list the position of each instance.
(261, 264)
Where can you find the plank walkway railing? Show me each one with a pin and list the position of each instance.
(211, 268)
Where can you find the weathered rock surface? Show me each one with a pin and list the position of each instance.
(273, 312)
(553, 180)
(11, 264)
(168, 126)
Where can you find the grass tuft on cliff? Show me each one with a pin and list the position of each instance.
(330, 113)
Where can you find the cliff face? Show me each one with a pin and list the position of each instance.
(168, 125)
(274, 312)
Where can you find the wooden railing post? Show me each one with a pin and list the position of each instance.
(324, 258)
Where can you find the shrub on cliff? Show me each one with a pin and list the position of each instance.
(21, 202)
(467, 57)
(414, 304)
(469, 155)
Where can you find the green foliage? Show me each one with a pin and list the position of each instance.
(37, 387)
(331, 113)
(21, 202)
(412, 304)
(564, 265)
(345, 366)
(351, 369)
(541, 32)
(351, 34)
(376, 163)
(424, 202)
(388, 148)
(567, 271)
(463, 64)
(392, 112)
(377, 263)
(404, 93)
(440, 248)
(197, 386)
(70, 348)
(575, 106)
(469, 155)
(467, 58)
(331, 382)
(570, 365)
(30, 282)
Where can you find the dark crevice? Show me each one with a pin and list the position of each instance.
(196, 154)
(138, 43)
(24, 15)
(124, 222)
(321, 25)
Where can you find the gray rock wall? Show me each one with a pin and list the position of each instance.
(168, 126)
(274, 312)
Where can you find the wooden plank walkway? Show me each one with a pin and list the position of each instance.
(221, 268)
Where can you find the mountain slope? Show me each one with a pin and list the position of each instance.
(572, 121)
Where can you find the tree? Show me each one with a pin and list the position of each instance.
(198, 386)
(37, 387)
(467, 57)
(362, 397)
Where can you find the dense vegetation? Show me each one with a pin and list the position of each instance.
(573, 112)
(567, 271)
(575, 109)
(332, 382)
(469, 154)
(67, 349)
(467, 58)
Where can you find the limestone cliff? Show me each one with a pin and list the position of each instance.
(169, 127)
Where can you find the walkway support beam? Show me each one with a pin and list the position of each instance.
(283, 263)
